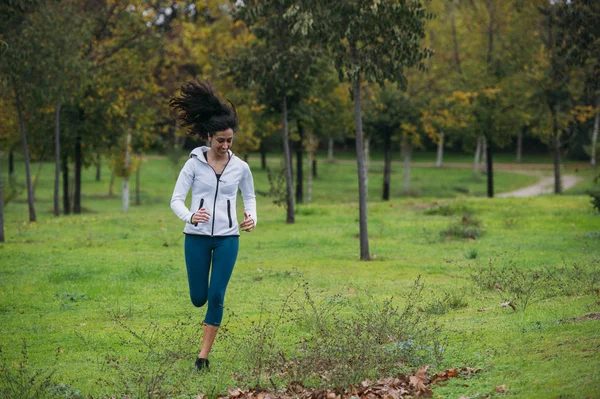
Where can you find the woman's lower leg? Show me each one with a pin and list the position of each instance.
(210, 332)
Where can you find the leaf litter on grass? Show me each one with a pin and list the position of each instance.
(417, 385)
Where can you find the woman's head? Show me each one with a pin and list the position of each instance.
(202, 112)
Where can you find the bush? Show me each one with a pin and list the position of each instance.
(336, 342)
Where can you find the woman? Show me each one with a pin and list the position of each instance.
(214, 175)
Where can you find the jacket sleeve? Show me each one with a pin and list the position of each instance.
(182, 187)
(248, 195)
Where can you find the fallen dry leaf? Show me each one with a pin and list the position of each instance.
(501, 388)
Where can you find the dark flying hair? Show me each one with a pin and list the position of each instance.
(202, 112)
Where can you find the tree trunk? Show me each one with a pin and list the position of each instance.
(288, 163)
(490, 169)
(32, 217)
(126, 177)
(595, 132)
(477, 156)
(138, 180)
(360, 163)
(330, 149)
(11, 162)
(300, 164)
(440, 151)
(77, 174)
(556, 145)
(367, 148)
(314, 166)
(98, 167)
(520, 145)
(1, 211)
(66, 191)
(111, 185)
(484, 152)
(263, 156)
(309, 175)
(57, 160)
(387, 166)
(455, 38)
(407, 153)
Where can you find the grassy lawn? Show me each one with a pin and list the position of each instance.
(96, 297)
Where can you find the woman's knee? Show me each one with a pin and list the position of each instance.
(216, 299)
(198, 300)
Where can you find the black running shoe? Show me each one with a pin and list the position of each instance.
(202, 364)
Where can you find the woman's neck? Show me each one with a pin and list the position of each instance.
(216, 156)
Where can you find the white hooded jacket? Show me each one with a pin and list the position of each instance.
(217, 195)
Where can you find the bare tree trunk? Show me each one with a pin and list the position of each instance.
(98, 166)
(330, 149)
(1, 210)
(138, 179)
(455, 38)
(32, 217)
(360, 163)
(37, 173)
(440, 151)
(125, 194)
(288, 163)
(484, 151)
(477, 156)
(367, 149)
(311, 155)
(11, 162)
(66, 190)
(595, 132)
(520, 145)
(77, 173)
(490, 170)
(387, 166)
(263, 156)
(57, 160)
(300, 164)
(556, 145)
(406, 153)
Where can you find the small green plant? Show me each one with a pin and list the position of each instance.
(595, 199)
(467, 227)
(448, 210)
(516, 285)
(471, 253)
(21, 380)
(441, 303)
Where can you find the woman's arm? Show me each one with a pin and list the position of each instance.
(182, 187)
(248, 195)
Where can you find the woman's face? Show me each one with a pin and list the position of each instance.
(221, 141)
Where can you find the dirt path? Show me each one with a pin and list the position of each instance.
(544, 186)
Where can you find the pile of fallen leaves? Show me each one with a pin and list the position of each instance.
(401, 386)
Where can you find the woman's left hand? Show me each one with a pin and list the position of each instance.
(247, 224)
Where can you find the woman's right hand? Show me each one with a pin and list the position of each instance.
(201, 216)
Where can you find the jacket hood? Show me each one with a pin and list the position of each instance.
(197, 152)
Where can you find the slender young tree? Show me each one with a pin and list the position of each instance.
(353, 31)
(279, 64)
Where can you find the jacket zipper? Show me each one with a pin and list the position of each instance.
(212, 232)
(229, 213)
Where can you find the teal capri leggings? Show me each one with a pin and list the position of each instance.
(214, 256)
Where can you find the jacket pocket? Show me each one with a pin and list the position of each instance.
(200, 207)
(229, 213)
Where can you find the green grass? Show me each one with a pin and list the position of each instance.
(68, 284)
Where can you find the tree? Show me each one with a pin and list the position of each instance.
(374, 41)
(279, 64)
